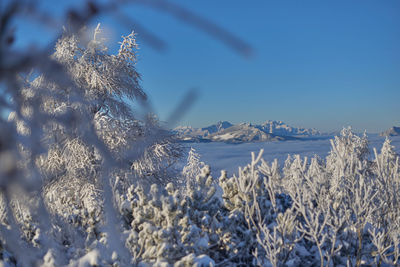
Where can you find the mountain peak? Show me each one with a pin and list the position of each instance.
(243, 132)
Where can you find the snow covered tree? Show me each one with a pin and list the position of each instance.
(192, 168)
(87, 141)
(105, 82)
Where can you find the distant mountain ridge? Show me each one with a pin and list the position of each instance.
(280, 128)
(224, 131)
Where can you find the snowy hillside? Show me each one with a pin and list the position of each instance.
(224, 131)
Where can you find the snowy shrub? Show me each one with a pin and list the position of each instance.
(340, 211)
(169, 226)
(385, 230)
(192, 168)
(340, 200)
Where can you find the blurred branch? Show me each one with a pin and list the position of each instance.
(199, 22)
(77, 18)
(187, 101)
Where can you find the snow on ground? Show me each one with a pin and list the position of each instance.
(222, 156)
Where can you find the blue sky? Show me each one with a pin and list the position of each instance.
(322, 64)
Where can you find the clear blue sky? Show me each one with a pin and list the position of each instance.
(322, 64)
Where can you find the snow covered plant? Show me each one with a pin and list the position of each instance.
(385, 232)
(254, 203)
(345, 203)
(168, 226)
(75, 136)
(340, 211)
(192, 168)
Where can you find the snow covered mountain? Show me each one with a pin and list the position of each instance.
(224, 131)
(394, 131)
(221, 125)
(188, 133)
(280, 128)
(244, 132)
